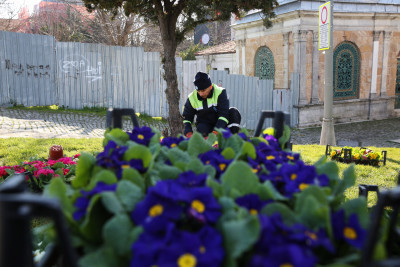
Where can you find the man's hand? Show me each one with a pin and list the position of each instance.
(189, 134)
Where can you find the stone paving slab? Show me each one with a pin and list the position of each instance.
(64, 124)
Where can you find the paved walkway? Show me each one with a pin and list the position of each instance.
(44, 124)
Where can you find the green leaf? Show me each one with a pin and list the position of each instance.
(117, 135)
(102, 257)
(240, 235)
(210, 170)
(313, 190)
(288, 216)
(247, 150)
(329, 168)
(359, 207)
(198, 145)
(116, 234)
(132, 175)
(176, 155)
(267, 191)
(83, 170)
(239, 176)
(349, 179)
(312, 214)
(228, 153)
(94, 220)
(211, 139)
(285, 136)
(138, 151)
(57, 188)
(215, 186)
(168, 172)
(105, 176)
(111, 202)
(235, 142)
(195, 165)
(129, 194)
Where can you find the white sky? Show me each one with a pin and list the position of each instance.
(16, 5)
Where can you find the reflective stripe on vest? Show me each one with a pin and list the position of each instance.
(213, 101)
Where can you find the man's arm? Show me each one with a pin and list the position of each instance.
(222, 110)
(188, 116)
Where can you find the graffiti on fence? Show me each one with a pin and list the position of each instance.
(77, 65)
(40, 71)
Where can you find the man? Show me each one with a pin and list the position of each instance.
(210, 104)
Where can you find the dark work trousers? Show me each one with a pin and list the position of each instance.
(233, 125)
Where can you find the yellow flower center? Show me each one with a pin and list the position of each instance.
(202, 249)
(207, 162)
(349, 233)
(303, 186)
(270, 157)
(222, 166)
(311, 235)
(187, 260)
(290, 157)
(253, 212)
(293, 176)
(141, 137)
(255, 170)
(156, 210)
(125, 166)
(198, 206)
(173, 145)
(286, 265)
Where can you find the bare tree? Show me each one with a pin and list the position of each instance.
(9, 14)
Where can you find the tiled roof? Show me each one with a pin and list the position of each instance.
(224, 48)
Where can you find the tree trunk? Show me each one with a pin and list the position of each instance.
(175, 119)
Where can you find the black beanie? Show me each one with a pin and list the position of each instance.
(202, 81)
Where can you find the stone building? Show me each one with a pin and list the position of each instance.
(366, 42)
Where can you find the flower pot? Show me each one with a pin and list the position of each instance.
(56, 152)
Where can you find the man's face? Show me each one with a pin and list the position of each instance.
(204, 93)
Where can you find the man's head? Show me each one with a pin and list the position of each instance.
(203, 84)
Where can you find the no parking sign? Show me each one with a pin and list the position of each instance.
(324, 26)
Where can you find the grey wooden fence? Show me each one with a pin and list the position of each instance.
(37, 71)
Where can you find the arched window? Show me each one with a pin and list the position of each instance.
(264, 64)
(346, 71)
(397, 89)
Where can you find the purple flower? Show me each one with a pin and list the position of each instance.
(133, 163)
(191, 179)
(216, 160)
(155, 212)
(112, 155)
(350, 230)
(202, 205)
(285, 255)
(252, 203)
(141, 135)
(201, 249)
(172, 142)
(82, 202)
(272, 141)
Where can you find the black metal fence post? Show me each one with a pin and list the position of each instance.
(114, 117)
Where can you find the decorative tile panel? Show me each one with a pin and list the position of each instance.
(397, 91)
(346, 71)
(264, 64)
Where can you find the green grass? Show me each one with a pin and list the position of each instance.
(384, 176)
(87, 110)
(16, 150)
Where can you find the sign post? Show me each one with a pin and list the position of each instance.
(325, 36)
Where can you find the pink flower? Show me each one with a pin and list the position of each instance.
(77, 155)
(65, 171)
(3, 172)
(44, 172)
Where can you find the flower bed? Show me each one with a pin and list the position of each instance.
(362, 155)
(39, 171)
(184, 202)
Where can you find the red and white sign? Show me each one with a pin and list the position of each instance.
(324, 26)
